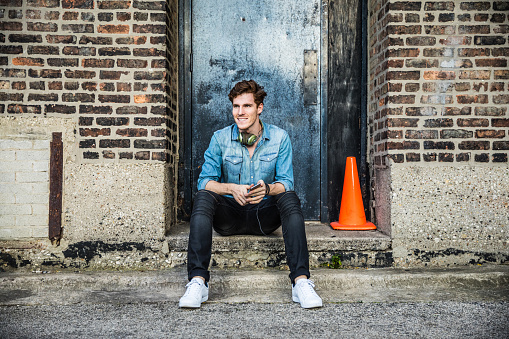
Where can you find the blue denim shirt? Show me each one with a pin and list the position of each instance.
(227, 161)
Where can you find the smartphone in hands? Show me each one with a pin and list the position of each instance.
(254, 187)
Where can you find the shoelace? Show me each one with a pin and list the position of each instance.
(193, 286)
(308, 285)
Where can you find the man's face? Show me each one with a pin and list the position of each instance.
(245, 113)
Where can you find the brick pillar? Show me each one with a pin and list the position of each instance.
(438, 108)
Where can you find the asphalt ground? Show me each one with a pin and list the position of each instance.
(471, 302)
(437, 319)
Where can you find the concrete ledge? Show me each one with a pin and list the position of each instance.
(486, 283)
(320, 237)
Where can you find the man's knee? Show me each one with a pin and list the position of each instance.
(288, 203)
(205, 202)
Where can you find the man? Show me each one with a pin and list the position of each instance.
(240, 156)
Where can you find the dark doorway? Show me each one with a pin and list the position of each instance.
(281, 44)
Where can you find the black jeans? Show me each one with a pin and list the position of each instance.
(227, 217)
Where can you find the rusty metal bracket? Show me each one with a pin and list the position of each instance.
(310, 77)
(55, 188)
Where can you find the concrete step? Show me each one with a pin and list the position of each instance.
(474, 283)
(353, 248)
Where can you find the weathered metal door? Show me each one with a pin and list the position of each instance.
(276, 43)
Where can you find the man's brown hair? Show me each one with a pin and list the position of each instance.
(246, 86)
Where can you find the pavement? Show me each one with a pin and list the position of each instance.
(358, 303)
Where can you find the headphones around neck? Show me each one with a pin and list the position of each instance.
(248, 139)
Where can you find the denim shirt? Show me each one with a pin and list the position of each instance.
(227, 160)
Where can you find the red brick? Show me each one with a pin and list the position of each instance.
(123, 16)
(497, 87)
(499, 157)
(403, 53)
(89, 143)
(473, 122)
(114, 4)
(474, 29)
(123, 87)
(11, 26)
(489, 40)
(475, 75)
(149, 121)
(500, 122)
(78, 28)
(81, 4)
(28, 109)
(135, 40)
(405, 6)
(114, 98)
(55, 85)
(42, 27)
(96, 40)
(439, 6)
(428, 144)
(89, 109)
(98, 63)
(440, 30)
(401, 99)
(439, 75)
(154, 29)
(62, 109)
(149, 98)
(80, 74)
(21, 61)
(436, 99)
(61, 39)
(94, 132)
(90, 155)
(113, 29)
(502, 99)
(456, 40)
(475, 6)
(132, 132)
(70, 16)
(501, 74)
(490, 134)
(114, 143)
(470, 99)
(474, 145)
(112, 75)
(61, 62)
(44, 3)
(125, 155)
(132, 63)
(142, 155)
(78, 97)
(45, 73)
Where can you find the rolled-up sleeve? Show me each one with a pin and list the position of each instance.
(284, 166)
(211, 169)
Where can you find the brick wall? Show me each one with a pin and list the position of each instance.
(102, 63)
(438, 82)
(24, 187)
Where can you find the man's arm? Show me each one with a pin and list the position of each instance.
(239, 192)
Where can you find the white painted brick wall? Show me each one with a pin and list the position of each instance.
(24, 188)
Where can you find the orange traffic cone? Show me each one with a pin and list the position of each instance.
(351, 214)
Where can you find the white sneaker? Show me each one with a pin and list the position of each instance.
(196, 293)
(304, 293)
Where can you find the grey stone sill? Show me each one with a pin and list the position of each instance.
(320, 237)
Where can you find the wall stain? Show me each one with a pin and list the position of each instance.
(88, 250)
(480, 257)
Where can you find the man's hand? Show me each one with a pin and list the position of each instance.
(255, 196)
(239, 193)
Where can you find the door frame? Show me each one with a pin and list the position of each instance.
(185, 110)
